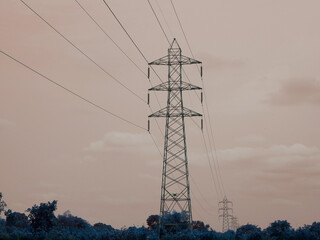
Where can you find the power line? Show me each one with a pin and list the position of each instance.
(115, 79)
(211, 171)
(72, 92)
(134, 43)
(154, 141)
(191, 118)
(89, 15)
(182, 28)
(158, 21)
(219, 172)
(213, 142)
(164, 17)
(77, 95)
(197, 187)
(189, 94)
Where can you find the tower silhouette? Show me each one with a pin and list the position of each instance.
(226, 213)
(175, 187)
(234, 223)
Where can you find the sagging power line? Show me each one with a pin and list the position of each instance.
(72, 92)
(83, 53)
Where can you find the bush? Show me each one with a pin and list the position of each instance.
(248, 232)
(16, 219)
(68, 221)
(279, 230)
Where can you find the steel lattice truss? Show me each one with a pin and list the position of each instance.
(226, 210)
(175, 189)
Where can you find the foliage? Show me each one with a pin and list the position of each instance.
(177, 222)
(153, 222)
(102, 227)
(279, 230)
(42, 217)
(200, 226)
(248, 232)
(314, 228)
(41, 224)
(68, 221)
(16, 219)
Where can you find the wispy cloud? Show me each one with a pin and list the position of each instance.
(5, 123)
(218, 62)
(251, 139)
(296, 91)
(123, 142)
(276, 171)
(275, 157)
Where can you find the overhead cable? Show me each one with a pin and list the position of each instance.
(72, 92)
(83, 53)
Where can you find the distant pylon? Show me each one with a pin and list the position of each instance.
(175, 188)
(234, 223)
(226, 213)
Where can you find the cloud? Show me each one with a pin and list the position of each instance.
(296, 91)
(5, 122)
(123, 142)
(275, 156)
(276, 171)
(285, 202)
(217, 62)
(268, 164)
(251, 139)
(89, 159)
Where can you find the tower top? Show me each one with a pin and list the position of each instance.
(175, 44)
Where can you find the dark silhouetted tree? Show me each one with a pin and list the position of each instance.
(2, 204)
(248, 232)
(177, 221)
(200, 226)
(16, 219)
(102, 226)
(153, 222)
(279, 230)
(315, 228)
(70, 221)
(42, 217)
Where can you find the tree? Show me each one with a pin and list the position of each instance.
(2, 204)
(279, 230)
(153, 221)
(315, 228)
(200, 226)
(16, 219)
(103, 227)
(248, 232)
(69, 221)
(42, 217)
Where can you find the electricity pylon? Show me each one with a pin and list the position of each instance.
(175, 188)
(226, 212)
(234, 223)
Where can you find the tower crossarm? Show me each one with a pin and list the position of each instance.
(175, 112)
(174, 87)
(168, 60)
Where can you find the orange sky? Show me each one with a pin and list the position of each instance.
(262, 77)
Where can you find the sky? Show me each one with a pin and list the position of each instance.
(262, 84)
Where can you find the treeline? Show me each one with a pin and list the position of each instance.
(40, 223)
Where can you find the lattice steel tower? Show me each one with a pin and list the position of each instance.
(234, 223)
(225, 207)
(175, 189)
